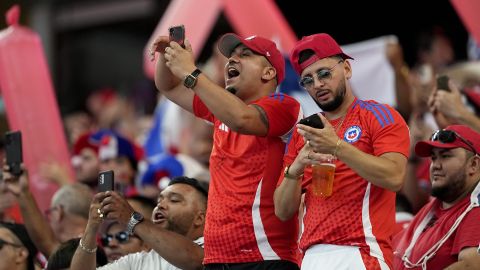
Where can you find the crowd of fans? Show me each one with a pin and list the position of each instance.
(406, 188)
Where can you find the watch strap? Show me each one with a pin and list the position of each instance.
(133, 222)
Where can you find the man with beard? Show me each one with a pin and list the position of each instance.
(352, 228)
(251, 126)
(175, 232)
(445, 232)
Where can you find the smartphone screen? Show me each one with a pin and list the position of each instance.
(105, 181)
(442, 83)
(312, 121)
(177, 34)
(13, 151)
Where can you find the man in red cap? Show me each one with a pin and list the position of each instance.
(352, 228)
(251, 125)
(445, 233)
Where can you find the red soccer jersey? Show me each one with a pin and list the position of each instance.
(241, 225)
(466, 235)
(358, 213)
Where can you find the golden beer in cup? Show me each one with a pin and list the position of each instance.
(322, 177)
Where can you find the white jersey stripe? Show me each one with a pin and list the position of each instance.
(287, 135)
(370, 239)
(262, 241)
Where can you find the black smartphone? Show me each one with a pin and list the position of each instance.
(312, 121)
(105, 181)
(13, 150)
(177, 34)
(442, 83)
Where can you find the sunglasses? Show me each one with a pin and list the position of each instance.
(449, 136)
(323, 75)
(122, 238)
(3, 243)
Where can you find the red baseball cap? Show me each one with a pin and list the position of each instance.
(260, 45)
(323, 45)
(83, 142)
(424, 148)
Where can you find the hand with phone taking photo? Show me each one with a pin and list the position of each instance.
(14, 184)
(176, 34)
(445, 103)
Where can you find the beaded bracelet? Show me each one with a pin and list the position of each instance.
(87, 250)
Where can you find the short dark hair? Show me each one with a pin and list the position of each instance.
(21, 233)
(62, 257)
(200, 186)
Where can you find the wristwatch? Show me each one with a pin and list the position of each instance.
(191, 80)
(135, 218)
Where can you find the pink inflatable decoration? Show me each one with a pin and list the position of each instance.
(30, 103)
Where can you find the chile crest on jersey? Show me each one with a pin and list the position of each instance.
(352, 134)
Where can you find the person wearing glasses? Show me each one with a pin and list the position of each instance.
(17, 251)
(174, 232)
(252, 124)
(117, 242)
(445, 233)
(352, 228)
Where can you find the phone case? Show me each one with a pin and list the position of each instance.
(442, 83)
(105, 181)
(13, 151)
(177, 34)
(312, 121)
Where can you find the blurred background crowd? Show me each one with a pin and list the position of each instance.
(115, 119)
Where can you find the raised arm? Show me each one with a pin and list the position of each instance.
(173, 247)
(165, 81)
(85, 257)
(448, 108)
(38, 228)
(228, 108)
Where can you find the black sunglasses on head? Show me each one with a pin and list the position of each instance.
(449, 136)
(3, 243)
(122, 237)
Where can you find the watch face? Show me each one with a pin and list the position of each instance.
(189, 81)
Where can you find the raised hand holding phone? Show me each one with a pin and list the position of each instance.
(177, 34)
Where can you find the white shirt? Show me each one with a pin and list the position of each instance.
(144, 260)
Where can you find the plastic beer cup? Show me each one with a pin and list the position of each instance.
(322, 177)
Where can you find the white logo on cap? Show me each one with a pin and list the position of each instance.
(267, 54)
(250, 37)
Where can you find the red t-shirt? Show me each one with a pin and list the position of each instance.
(358, 213)
(466, 235)
(241, 225)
